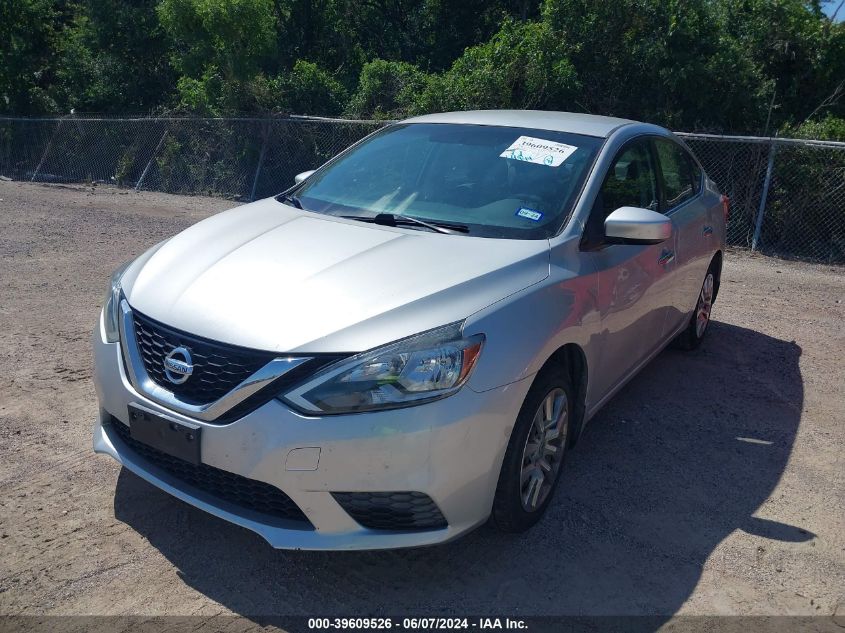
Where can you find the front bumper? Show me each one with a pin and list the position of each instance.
(450, 450)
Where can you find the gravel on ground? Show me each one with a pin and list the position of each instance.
(712, 484)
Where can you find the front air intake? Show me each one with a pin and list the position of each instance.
(250, 494)
(394, 511)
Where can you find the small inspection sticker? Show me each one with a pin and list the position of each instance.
(538, 151)
(529, 214)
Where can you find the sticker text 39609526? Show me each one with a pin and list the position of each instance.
(539, 151)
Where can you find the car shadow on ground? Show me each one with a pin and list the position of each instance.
(677, 461)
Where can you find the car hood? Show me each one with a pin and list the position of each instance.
(271, 277)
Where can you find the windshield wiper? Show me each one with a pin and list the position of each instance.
(394, 219)
(290, 198)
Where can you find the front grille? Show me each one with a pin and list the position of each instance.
(218, 367)
(392, 510)
(234, 489)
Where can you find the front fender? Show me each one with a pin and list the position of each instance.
(524, 330)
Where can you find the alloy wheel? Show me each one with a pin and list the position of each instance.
(705, 305)
(542, 455)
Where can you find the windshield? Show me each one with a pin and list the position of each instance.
(500, 182)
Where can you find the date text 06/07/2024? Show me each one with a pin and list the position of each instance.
(415, 624)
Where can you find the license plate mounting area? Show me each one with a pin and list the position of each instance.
(174, 438)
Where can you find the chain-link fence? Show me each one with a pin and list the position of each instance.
(242, 158)
(787, 196)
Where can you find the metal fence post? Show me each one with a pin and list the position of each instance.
(758, 227)
(260, 160)
(46, 151)
(150, 162)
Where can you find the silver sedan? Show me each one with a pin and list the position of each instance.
(408, 341)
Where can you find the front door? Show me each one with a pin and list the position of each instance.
(634, 292)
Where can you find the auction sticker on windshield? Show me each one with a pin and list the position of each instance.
(539, 151)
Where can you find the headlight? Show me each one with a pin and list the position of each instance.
(418, 369)
(111, 305)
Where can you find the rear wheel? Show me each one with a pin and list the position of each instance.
(535, 453)
(691, 337)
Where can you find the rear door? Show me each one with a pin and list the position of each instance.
(634, 292)
(681, 200)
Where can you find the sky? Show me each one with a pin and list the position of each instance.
(830, 7)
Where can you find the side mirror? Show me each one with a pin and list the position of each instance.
(632, 225)
(300, 177)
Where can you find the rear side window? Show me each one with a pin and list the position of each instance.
(676, 167)
(696, 174)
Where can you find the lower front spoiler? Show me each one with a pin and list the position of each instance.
(281, 534)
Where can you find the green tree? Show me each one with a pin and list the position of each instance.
(387, 90)
(219, 49)
(28, 33)
(716, 65)
(308, 89)
(829, 128)
(797, 47)
(666, 62)
(524, 65)
(448, 27)
(233, 36)
(112, 58)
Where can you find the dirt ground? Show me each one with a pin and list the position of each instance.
(712, 484)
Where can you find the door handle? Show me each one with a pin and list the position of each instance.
(707, 231)
(665, 257)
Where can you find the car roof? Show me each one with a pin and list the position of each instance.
(573, 122)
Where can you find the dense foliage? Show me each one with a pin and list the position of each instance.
(741, 66)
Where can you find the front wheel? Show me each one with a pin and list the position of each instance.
(535, 453)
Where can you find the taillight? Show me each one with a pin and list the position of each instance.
(726, 206)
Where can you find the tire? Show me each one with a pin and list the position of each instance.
(520, 501)
(699, 322)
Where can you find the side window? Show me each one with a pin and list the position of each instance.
(676, 168)
(631, 181)
(696, 174)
